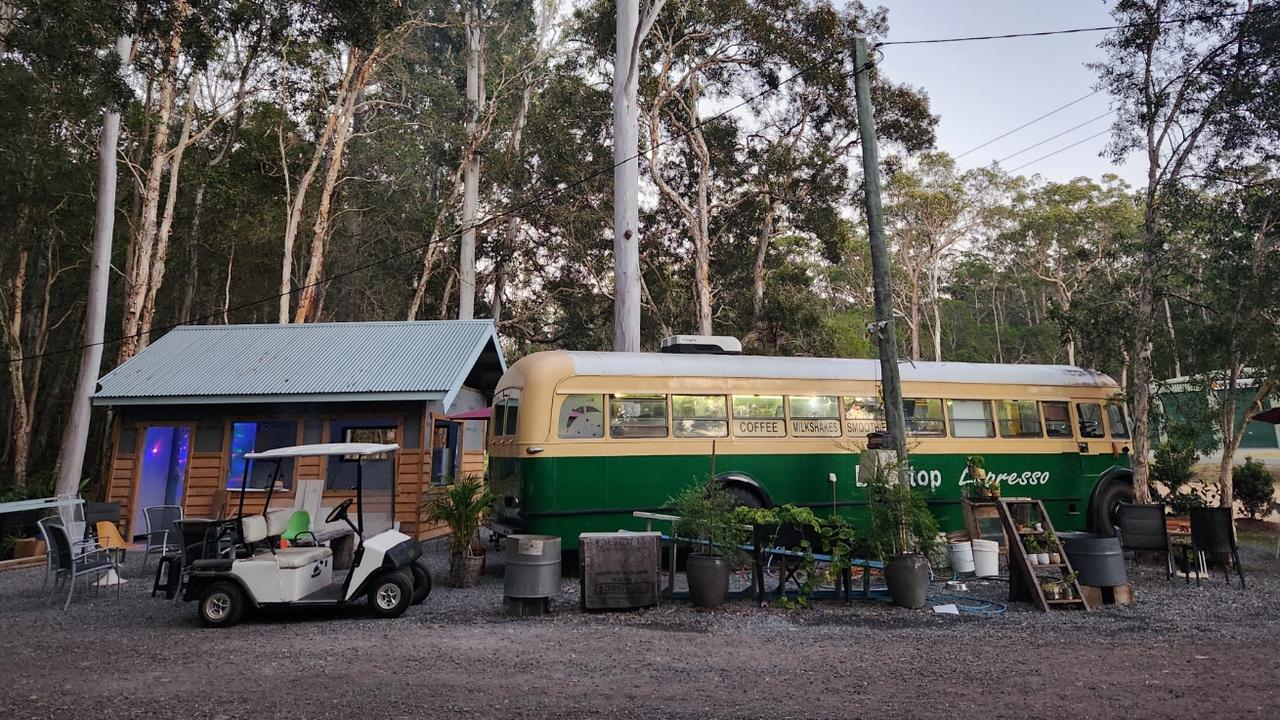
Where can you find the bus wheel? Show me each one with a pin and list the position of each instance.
(745, 497)
(1107, 504)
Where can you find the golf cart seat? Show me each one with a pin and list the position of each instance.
(296, 557)
(256, 529)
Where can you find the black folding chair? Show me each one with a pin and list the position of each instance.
(1142, 529)
(1213, 531)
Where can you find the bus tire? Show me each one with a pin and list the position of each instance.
(1103, 513)
(746, 497)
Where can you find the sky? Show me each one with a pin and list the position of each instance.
(983, 89)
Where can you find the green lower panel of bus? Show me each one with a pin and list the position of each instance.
(565, 496)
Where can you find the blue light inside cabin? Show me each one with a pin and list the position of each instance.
(243, 437)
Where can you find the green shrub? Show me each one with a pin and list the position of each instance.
(1254, 486)
(1173, 465)
(706, 511)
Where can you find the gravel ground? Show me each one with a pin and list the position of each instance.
(1181, 651)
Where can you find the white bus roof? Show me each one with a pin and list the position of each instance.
(753, 366)
(361, 449)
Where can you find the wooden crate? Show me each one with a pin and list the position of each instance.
(1097, 596)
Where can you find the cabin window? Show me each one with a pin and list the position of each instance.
(924, 417)
(257, 436)
(863, 416)
(378, 471)
(1018, 418)
(1090, 420)
(638, 416)
(699, 416)
(814, 415)
(582, 416)
(1116, 419)
(1057, 419)
(971, 419)
(758, 416)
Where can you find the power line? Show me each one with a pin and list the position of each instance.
(1061, 149)
(1029, 123)
(1055, 137)
(1073, 31)
(477, 225)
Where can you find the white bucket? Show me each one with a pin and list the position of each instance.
(986, 558)
(961, 554)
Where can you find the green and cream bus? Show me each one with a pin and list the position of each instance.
(580, 440)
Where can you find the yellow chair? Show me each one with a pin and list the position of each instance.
(109, 538)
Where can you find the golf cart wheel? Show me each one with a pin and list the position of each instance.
(221, 605)
(391, 594)
(421, 581)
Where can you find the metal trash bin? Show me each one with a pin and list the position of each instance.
(1097, 558)
(532, 575)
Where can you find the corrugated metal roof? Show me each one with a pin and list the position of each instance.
(310, 361)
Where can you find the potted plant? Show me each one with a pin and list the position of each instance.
(984, 486)
(903, 533)
(1052, 589)
(1068, 586)
(1032, 544)
(1055, 550)
(462, 506)
(706, 511)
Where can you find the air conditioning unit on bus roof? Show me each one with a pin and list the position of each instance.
(702, 344)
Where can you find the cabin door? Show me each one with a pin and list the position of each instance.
(162, 475)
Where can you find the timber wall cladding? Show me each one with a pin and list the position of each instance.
(120, 489)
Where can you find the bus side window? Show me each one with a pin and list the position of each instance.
(971, 419)
(814, 415)
(1018, 418)
(499, 411)
(1057, 419)
(758, 416)
(1116, 419)
(1090, 419)
(581, 416)
(699, 416)
(862, 416)
(924, 417)
(638, 416)
(513, 411)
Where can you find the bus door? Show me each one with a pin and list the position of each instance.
(1095, 449)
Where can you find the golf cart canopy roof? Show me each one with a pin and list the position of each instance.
(360, 449)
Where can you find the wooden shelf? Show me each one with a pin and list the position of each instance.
(1065, 602)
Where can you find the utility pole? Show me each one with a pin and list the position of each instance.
(881, 274)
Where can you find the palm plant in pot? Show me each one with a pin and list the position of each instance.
(462, 506)
(903, 533)
(706, 511)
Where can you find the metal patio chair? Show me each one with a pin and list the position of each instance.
(51, 569)
(72, 565)
(1212, 531)
(1142, 529)
(161, 536)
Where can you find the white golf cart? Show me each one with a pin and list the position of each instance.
(252, 570)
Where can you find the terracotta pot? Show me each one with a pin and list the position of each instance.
(464, 571)
(28, 547)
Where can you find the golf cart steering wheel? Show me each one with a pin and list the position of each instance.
(340, 512)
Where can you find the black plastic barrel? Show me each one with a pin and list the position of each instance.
(1097, 558)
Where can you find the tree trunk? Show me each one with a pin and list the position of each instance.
(915, 316)
(1173, 339)
(20, 429)
(763, 239)
(297, 204)
(143, 243)
(702, 227)
(226, 288)
(76, 434)
(934, 270)
(1142, 353)
(156, 276)
(471, 175)
(629, 34)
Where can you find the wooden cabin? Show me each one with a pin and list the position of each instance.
(188, 407)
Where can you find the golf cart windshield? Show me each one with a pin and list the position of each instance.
(361, 472)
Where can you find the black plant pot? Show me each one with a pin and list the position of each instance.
(908, 579)
(708, 579)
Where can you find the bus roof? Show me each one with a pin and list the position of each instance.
(807, 368)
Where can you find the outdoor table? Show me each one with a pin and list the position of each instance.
(757, 570)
